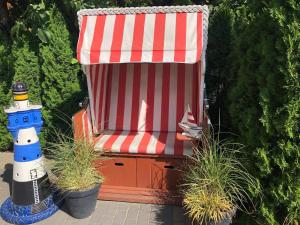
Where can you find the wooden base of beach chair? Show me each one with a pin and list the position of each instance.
(141, 178)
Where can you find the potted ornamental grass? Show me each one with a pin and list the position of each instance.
(73, 174)
(216, 183)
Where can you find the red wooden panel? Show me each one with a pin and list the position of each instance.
(78, 125)
(172, 175)
(133, 194)
(144, 172)
(119, 171)
(156, 176)
(148, 179)
(165, 174)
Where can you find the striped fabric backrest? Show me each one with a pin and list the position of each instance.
(143, 96)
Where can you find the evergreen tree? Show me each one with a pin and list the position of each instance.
(5, 85)
(264, 102)
(26, 67)
(60, 86)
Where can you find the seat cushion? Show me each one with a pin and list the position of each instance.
(161, 143)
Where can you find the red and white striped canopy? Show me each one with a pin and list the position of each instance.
(145, 34)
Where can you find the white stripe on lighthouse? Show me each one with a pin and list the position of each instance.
(26, 136)
(28, 171)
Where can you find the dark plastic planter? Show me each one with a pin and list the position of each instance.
(81, 204)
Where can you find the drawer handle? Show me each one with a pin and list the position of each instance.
(119, 164)
(170, 167)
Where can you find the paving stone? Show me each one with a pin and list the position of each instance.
(157, 223)
(143, 222)
(106, 221)
(3, 222)
(162, 214)
(143, 217)
(132, 213)
(97, 215)
(105, 203)
(123, 206)
(131, 222)
(132, 204)
(119, 221)
(60, 217)
(178, 215)
(122, 212)
(158, 207)
(74, 221)
(179, 223)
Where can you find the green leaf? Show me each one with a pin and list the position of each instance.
(74, 61)
(43, 35)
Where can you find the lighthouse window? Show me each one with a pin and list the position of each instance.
(28, 141)
(16, 121)
(24, 158)
(25, 119)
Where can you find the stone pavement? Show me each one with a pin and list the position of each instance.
(106, 213)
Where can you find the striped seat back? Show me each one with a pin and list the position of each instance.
(142, 96)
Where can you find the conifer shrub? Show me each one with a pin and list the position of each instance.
(5, 82)
(264, 102)
(60, 85)
(26, 67)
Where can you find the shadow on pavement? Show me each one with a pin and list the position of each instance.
(7, 175)
(168, 215)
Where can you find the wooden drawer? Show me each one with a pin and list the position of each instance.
(140, 178)
(159, 173)
(119, 171)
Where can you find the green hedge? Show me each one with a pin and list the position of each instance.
(40, 53)
(260, 97)
(26, 67)
(60, 86)
(5, 83)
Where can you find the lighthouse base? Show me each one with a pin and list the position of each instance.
(20, 215)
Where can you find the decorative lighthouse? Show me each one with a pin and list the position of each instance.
(31, 199)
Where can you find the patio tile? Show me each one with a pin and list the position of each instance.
(106, 221)
(123, 206)
(96, 216)
(145, 207)
(120, 215)
(132, 213)
(143, 217)
(73, 221)
(161, 214)
(131, 222)
(59, 217)
(178, 215)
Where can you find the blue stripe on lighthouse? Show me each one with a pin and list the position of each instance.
(26, 153)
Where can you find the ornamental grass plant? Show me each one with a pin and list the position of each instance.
(216, 182)
(72, 164)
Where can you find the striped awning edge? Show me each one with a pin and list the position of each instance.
(144, 34)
